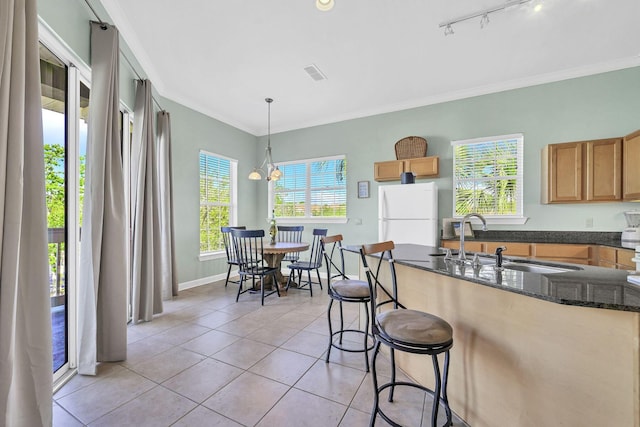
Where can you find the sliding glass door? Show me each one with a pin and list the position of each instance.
(65, 109)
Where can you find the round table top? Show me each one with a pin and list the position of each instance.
(284, 247)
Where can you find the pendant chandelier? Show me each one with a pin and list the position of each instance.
(272, 171)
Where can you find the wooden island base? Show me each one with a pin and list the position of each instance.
(522, 361)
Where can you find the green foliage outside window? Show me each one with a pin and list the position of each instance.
(215, 201)
(487, 178)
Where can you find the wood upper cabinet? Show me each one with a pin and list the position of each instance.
(586, 171)
(631, 166)
(388, 171)
(422, 167)
(604, 169)
(562, 172)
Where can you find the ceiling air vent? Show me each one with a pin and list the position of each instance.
(315, 73)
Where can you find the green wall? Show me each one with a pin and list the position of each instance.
(599, 106)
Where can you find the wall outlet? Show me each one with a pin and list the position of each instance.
(589, 223)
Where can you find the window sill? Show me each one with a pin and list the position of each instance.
(211, 256)
(499, 221)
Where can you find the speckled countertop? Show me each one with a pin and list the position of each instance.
(575, 237)
(582, 285)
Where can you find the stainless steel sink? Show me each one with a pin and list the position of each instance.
(538, 268)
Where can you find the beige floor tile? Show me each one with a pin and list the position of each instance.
(272, 334)
(243, 353)
(240, 327)
(296, 320)
(241, 308)
(211, 342)
(90, 403)
(159, 324)
(284, 343)
(332, 381)
(62, 418)
(215, 319)
(353, 418)
(202, 380)
(156, 407)
(145, 349)
(308, 343)
(351, 359)
(247, 398)
(165, 365)
(283, 366)
(204, 417)
(188, 313)
(183, 333)
(301, 409)
(79, 381)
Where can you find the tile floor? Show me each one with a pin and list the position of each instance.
(209, 361)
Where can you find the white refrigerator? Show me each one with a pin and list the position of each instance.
(408, 213)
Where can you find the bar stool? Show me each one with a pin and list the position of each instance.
(405, 330)
(345, 290)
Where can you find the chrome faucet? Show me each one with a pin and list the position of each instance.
(462, 257)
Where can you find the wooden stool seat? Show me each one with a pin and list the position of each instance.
(415, 328)
(351, 288)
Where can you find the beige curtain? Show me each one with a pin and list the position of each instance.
(25, 316)
(146, 291)
(166, 245)
(103, 278)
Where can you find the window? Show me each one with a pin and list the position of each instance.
(487, 177)
(313, 189)
(218, 178)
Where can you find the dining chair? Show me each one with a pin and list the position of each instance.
(345, 290)
(290, 233)
(230, 251)
(250, 254)
(405, 330)
(314, 263)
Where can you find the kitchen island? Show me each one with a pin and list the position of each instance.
(530, 349)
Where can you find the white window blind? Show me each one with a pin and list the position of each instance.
(217, 199)
(487, 176)
(311, 189)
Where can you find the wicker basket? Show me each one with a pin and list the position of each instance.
(410, 147)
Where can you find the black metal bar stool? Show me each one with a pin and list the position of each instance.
(343, 289)
(405, 330)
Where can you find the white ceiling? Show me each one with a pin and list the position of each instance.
(223, 58)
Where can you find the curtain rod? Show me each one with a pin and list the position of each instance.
(104, 27)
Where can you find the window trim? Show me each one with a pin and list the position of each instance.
(307, 219)
(519, 217)
(233, 204)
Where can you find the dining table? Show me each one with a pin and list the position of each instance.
(274, 254)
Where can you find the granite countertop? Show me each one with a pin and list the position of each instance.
(583, 285)
(606, 238)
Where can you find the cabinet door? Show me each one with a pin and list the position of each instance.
(623, 259)
(565, 172)
(558, 250)
(423, 166)
(631, 166)
(605, 293)
(606, 256)
(513, 248)
(604, 169)
(388, 171)
(567, 290)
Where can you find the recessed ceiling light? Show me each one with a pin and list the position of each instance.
(324, 5)
(538, 7)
